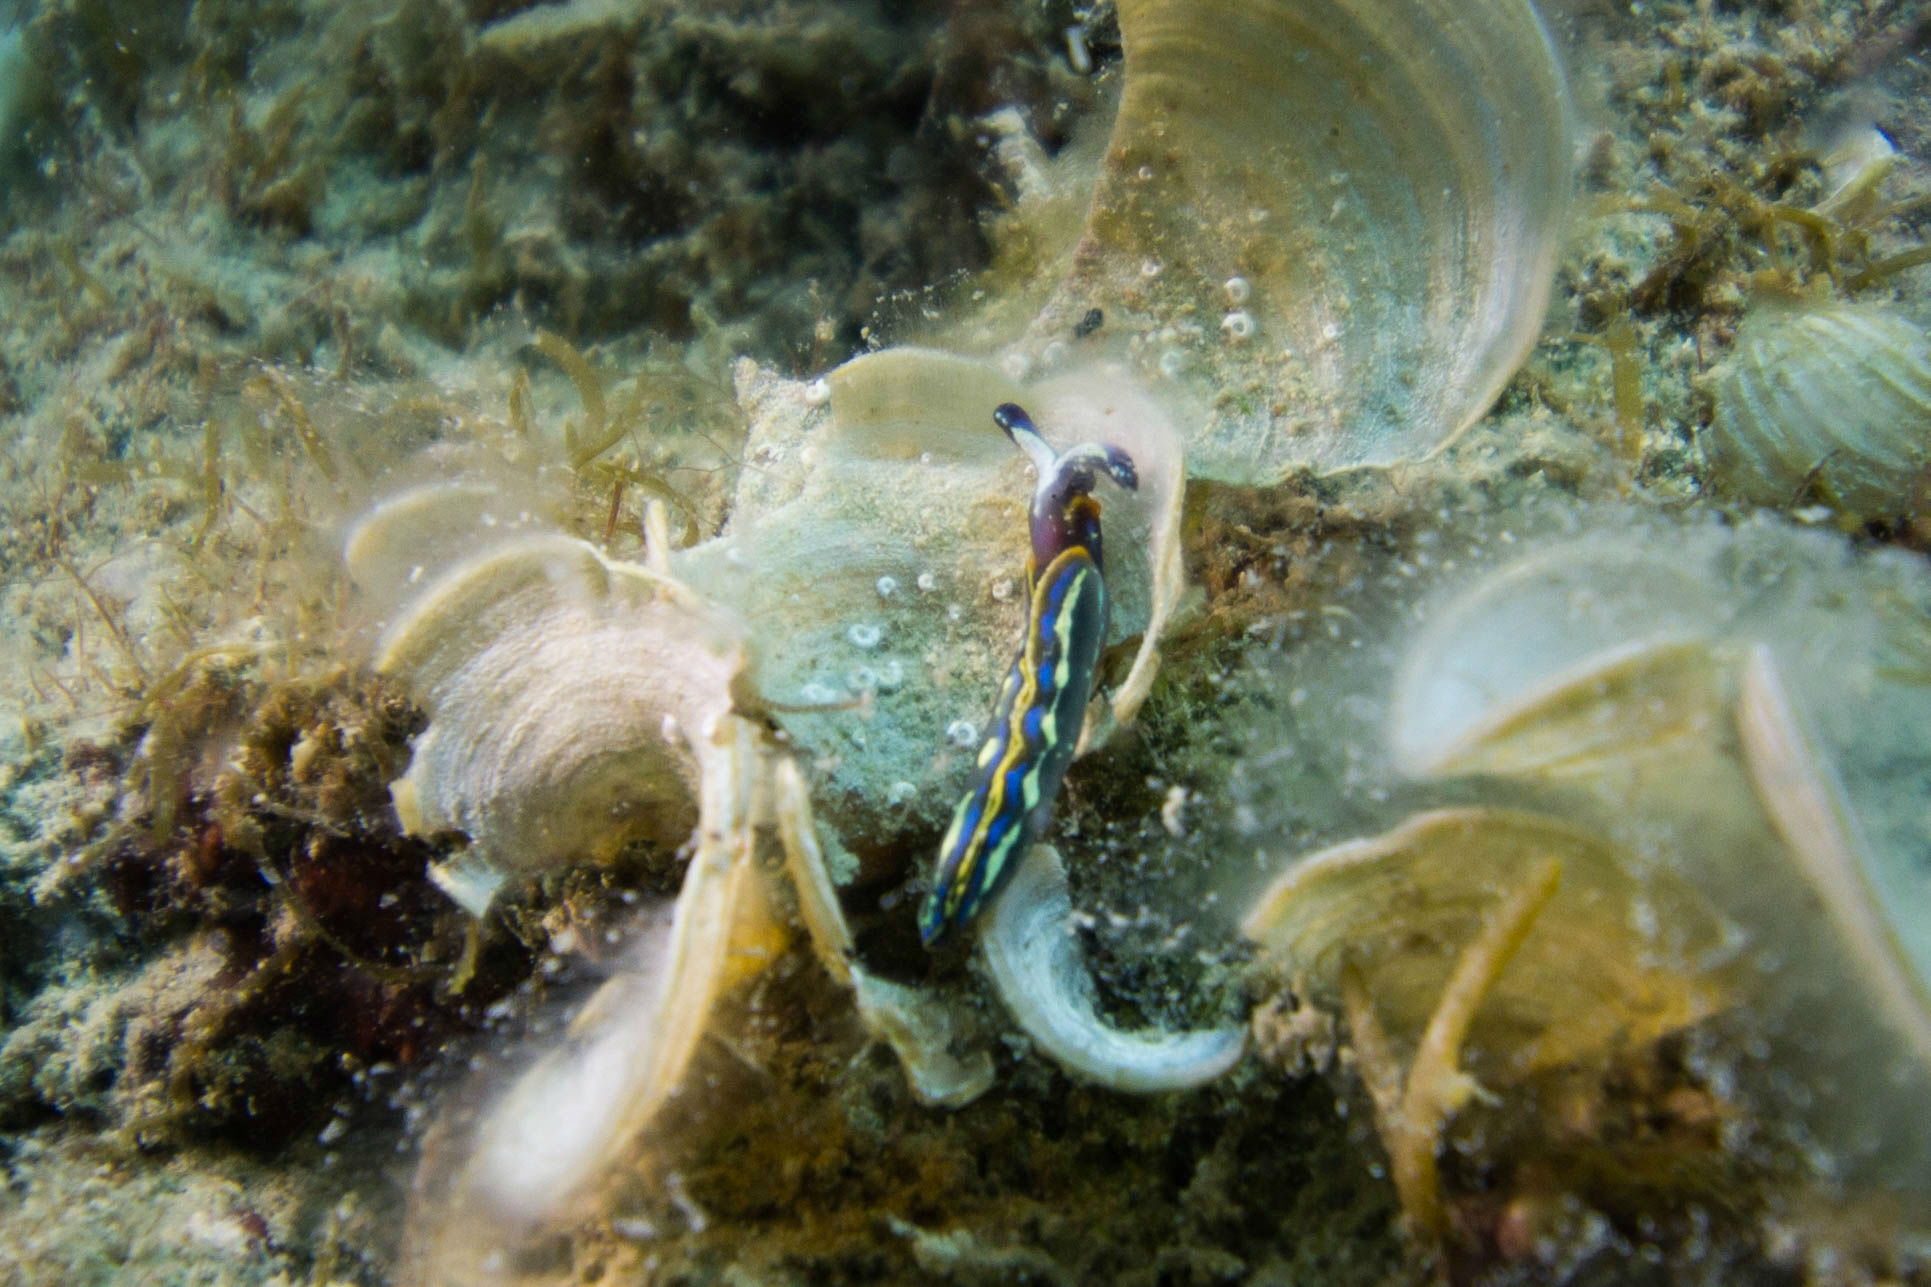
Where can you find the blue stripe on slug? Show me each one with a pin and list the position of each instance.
(1028, 745)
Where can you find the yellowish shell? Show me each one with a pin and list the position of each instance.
(1335, 221)
(1833, 402)
(1650, 698)
(1622, 954)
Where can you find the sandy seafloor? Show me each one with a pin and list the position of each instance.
(258, 256)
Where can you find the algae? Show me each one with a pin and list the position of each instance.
(257, 259)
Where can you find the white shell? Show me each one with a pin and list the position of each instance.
(1835, 401)
(1035, 962)
(1388, 179)
(1577, 616)
(562, 688)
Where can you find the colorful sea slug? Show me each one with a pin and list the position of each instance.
(1036, 723)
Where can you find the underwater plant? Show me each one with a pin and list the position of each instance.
(673, 668)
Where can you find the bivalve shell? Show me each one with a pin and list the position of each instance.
(1624, 953)
(1376, 187)
(1834, 402)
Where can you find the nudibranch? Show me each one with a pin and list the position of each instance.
(1036, 724)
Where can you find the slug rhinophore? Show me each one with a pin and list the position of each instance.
(1036, 723)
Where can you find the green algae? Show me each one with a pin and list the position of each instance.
(397, 216)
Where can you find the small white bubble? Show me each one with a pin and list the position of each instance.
(890, 675)
(954, 612)
(900, 793)
(734, 556)
(1332, 330)
(962, 733)
(1002, 589)
(927, 583)
(818, 393)
(1053, 354)
(1149, 267)
(1145, 172)
(865, 634)
(1238, 325)
(925, 458)
(816, 694)
(887, 586)
(1172, 363)
(861, 678)
(1016, 365)
(1238, 290)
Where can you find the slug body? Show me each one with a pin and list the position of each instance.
(1036, 723)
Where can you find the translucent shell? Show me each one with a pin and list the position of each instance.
(1621, 954)
(1034, 959)
(1580, 653)
(1745, 705)
(564, 689)
(1834, 402)
(910, 484)
(1806, 802)
(1385, 179)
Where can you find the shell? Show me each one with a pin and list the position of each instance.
(906, 482)
(1835, 401)
(1746, 705)
(1621, 955)
(1034, 959)
(540, 1150)
(565, 1119)
(1805, 802)
(563, 689)
(1337, 222)
(1578, 653)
